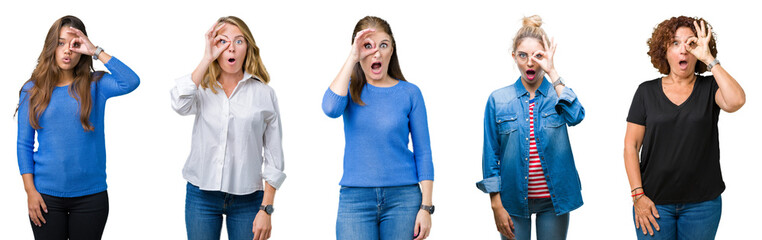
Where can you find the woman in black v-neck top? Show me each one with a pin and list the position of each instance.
(674, 119)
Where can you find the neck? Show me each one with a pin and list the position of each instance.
(531, 87)
(67, 77)
(385, 81)
(682, 80)
(226, 77)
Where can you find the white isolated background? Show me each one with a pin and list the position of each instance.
(456, 52)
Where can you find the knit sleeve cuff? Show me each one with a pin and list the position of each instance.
(489, 185)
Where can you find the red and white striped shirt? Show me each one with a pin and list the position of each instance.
(538, 188)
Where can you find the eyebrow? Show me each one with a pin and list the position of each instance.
(237, 36)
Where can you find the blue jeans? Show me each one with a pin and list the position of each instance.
(204, 210)
(549, 226)
(686, 221)
(386, 213)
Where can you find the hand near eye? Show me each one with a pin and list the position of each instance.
(699, 46)
(80, 44)
(214, 47)
(545, 58)
(359, 49)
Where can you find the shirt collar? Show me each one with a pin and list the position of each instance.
(544, 88)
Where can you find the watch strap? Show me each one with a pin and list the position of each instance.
(98, 51)
(712, 64)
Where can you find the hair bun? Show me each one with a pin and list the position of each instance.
(532, 21)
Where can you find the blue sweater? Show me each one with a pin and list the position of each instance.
(376, 153)
(70, 162)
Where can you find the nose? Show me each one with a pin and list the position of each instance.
(231, 48)
(530, 63)
(377, 54)
(683, 48)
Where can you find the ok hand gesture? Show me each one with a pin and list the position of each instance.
(214, 47)
(362, 46)
(545, 58)
(80, 44)
(699, 46)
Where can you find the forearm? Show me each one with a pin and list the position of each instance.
(28, 182)
(632, 166)
(553, 74)
(495, 200)
(104, 57)
(340, 84)
(732, 93)
(427, 186)
(198, 74)
(269, 196)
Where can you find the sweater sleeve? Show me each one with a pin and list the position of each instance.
(25, 139)
(184, 96)
(273, 150)
(419, 133)
(334, 104)
(122, 80)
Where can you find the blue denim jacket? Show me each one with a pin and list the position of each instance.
(505, 164)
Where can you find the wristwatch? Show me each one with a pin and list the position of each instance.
(267, 208)
(98, 51)
(560, 81)
(428, 208)
(711, 64)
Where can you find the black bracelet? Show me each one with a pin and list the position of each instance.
(633, 190)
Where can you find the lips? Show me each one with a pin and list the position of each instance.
(66, 60)
(375, 67)
(530, 74)
(231, 61)
(683, 64)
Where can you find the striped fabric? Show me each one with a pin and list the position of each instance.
(538, 188)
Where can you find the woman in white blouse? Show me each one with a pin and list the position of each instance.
(236, 137)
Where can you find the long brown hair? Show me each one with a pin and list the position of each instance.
(252, 64)
(358, 76)
(47, 73)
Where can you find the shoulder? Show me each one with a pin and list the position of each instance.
(504, 93)
(28, 85)
(649, 85)
(409, 87)
(262, 88)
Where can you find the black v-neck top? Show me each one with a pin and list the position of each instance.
(680, 157)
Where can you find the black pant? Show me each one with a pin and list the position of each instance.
(73, 218)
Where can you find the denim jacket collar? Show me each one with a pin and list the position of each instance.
(544, 88)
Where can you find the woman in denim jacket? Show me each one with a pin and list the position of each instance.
(528, 165)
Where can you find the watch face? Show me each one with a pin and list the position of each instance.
(269, 209)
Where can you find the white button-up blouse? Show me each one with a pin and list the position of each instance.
(236, 141)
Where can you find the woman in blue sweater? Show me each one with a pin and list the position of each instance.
(386, 188)
(63, 104)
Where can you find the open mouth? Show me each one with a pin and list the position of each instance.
(376, 67)
(231, 60)
(683, 64)
(66, 60)
(530, 74)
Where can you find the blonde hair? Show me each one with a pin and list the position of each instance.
(252, 64)
(530, 29)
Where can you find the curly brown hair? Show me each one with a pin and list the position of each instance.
(663, 36)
